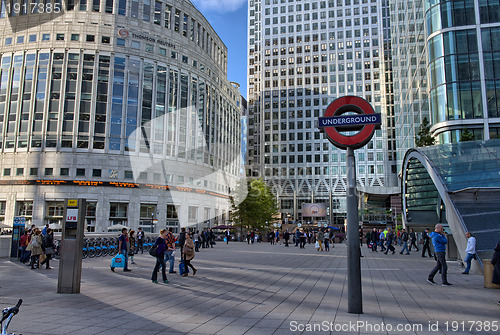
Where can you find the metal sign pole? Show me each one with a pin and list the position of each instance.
(334, 123)
(355, 297)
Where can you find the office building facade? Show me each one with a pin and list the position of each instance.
(124, 103)
(447, 67)
(302, 56)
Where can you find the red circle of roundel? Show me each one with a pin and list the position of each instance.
(337, 107)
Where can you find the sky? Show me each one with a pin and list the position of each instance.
(229, 20)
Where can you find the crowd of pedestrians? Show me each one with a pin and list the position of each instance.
(37, 247)
(187, 243)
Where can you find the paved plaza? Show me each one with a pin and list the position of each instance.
(253, 289)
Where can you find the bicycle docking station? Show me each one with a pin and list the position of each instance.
(70, 263)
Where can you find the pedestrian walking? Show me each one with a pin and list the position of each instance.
(227, 235)
(161, 247)
(35, 247)
(286, 237)
(196, 240)
(302, 239)
(382, 239)
(470, 252)
(426, 240)
(374, 236)
(404, 240)
(123, 249)
(170, 250)
(413, 240)
(48, 247)
(390, 239)
(320, 237)
(439, 242)
(140, 240)
(23, 243)
(188, 255)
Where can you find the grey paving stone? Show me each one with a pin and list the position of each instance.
(241, 288)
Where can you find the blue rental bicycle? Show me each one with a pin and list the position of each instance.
(7, 315)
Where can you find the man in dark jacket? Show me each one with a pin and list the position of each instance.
(374, 238)
(182, 239)
(413, 239)
(404, 239)
(390, 238)
(286, 237)
(427, 243)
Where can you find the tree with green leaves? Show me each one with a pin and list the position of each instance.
(424, 137)
(253, 205)
(466, 135)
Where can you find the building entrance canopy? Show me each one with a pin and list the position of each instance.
(455, 183)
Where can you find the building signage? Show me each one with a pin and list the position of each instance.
(124, 33)
(349, 120)
(334, 121)
(72, 215)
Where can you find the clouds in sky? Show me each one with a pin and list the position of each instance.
(219, 6)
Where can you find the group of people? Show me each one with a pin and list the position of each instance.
(386, 240)
(301, 237)
(37, 247)
(165, 245)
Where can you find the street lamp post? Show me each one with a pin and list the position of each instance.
(152, 222)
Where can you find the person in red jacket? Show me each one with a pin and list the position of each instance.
(23, 242)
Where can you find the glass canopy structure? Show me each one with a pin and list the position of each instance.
(456, 184)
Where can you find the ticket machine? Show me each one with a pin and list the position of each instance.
(70, 264)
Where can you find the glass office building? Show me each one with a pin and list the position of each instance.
(447, 67)
(124, 103)
(302, 56)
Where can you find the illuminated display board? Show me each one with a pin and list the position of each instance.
(110, 184)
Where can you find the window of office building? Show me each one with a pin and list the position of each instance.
(90, 216)
(54, 211)
(148, 217)
(118, 213)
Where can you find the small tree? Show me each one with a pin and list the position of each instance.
(424, 137)
(466, 136)
(257, 207)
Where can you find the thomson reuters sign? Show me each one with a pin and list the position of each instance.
(125, 33)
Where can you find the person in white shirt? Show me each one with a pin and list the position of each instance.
(470, 250)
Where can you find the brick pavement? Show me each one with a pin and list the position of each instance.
(250, 289)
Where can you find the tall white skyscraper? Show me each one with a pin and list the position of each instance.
(302, 56)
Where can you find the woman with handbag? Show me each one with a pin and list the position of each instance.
(35, 247)
(160, 246)
(188, 253)
(48, 247)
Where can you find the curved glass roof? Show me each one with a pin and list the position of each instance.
(466, 164)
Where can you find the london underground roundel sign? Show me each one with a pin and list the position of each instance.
(365, 119)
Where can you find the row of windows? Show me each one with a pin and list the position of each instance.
(59, 37)
(315, 26)
(137, 45)
(317, 16)
(316, 47)
(312, 5)
(314, 37)
(158, 13)
(118, 212)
